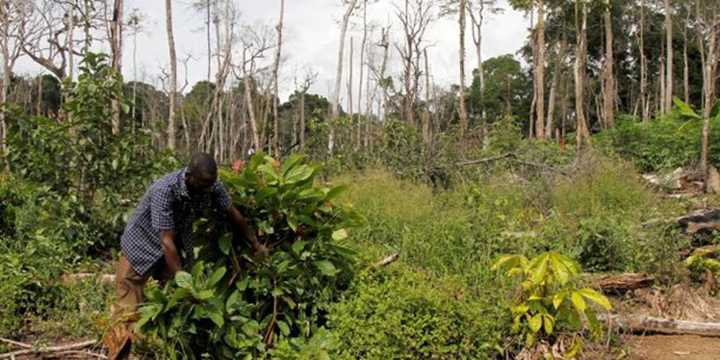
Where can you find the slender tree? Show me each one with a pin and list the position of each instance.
(669, 57)
(609, 88)
(276, 69)
(461, 106)
(173, 75)
(335, 101)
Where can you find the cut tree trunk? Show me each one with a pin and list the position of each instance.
(623, 282)
(707, 219)
(637, 323)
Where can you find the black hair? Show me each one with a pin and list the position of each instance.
(202, 163)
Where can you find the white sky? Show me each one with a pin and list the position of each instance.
(311, 34)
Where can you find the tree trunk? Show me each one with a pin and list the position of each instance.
(426, 112)
(69, 39)
(553, 89)
(643, 67)
(385, 44)
(251, 111)
(116, 38)
(461, 108)
(709, 80)
(540, 71)
(609, 93)
(173, 75)
(5, 13)
(362, 68)
(686, 66)
(350, 86)
(669, 57)
(302, 122)
(335, 102)
(581, 127)
(276, 69)
(477, 34)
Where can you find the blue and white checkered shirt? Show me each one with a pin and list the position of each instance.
(167, 205)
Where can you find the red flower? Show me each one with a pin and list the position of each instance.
(237, 165)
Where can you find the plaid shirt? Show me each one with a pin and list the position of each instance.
(167, 205)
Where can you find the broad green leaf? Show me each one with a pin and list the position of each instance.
(298, 246)
(326, 267)
(548, 321)
(715, 111)
(311, 195)
(270, 173)
(234, 299)
(535, 323)
(225, 242)
(290, 163)
(266, 192)
(340, 234)
(215, 314)
(216, 276)
(204, 295)
(558, 299)
(334, 192)
(284, 328)
(596, 297)
(251, 328)
(179, 295)
(578, 301)
(685, 109)
(184, 280)
(539, 268)
(298, 174)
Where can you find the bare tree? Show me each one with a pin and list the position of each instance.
(461, 100)
(426, 111)
(415, 17)
(362, 68)
(478, 10)
(609, 88)
(276, 68)
(135, 24)
(255, 43)
(669, 58)
(540, 71)
(173, 74)
(9, 27)
(708, 26)
(580, 55)
(310, 78)
(644, 101)
(335, 101)
(559, 61)
(116, 36)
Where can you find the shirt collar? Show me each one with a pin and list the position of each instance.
(183, 186)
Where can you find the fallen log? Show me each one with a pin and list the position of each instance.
(637, 323)
(46, 350)
(623, 282)
(709, 250)
(707, 219)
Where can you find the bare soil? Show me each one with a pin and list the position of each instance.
(674, 347)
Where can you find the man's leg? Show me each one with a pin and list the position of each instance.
(129, 288)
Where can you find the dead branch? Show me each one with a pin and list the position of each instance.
(387, 261)
(623, 282)
(645, 324)
(76, 352)
(51, 349)
(16, 343)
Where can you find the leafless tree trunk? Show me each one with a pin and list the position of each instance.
(173, 75)
(276, 69)
(609, 91)
(580, 54)
(117, 36)
(540, 71)
(310, 78)
(385, 45)
(6, 69)
(461, 100)
(335, 102)
(553, 89)
(362, 68)
(645, 103)
(426, 112)
(477, 20)
(69, 38)
(711, 56)
(669, 57)
(351, 115)
(686, 66)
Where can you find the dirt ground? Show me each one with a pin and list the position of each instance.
(674, 347)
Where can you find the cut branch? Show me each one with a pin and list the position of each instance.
(51, 349)
(645, 324)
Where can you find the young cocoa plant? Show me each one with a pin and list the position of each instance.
(236, 303)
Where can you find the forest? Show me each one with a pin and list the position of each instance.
(561, 201)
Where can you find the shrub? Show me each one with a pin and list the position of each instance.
(401, 314)
(235, 304)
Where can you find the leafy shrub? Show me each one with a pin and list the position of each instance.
(550, 302)
(401, 314)
(233, 303)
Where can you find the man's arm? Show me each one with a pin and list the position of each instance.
(172, 256)
(239, 221)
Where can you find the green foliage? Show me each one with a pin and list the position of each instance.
(704, 265)
(550, 302)
(401, 314)
(236, 304)
(671, 141)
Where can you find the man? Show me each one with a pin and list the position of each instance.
(159, 229)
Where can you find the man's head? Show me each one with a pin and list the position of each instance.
(201, 173)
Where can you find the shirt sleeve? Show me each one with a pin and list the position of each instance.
(220, 197)
(161, 210)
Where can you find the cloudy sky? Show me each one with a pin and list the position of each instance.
(311, 35)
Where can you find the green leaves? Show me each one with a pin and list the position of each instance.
(184, 280)
(326, 267)
(225, 242)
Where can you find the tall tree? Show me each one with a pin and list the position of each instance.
(709, 23)
(335, 102)
(173, 75)
(276, 69)
(363, 45)
(478, 10)
(669, 57)
(579, 69)
(461, 100)
(116, 32)
(609, 75)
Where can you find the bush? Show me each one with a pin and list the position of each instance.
(236, 304)
(401, 314)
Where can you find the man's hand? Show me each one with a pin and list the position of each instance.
(239, 221)
(172, 256)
